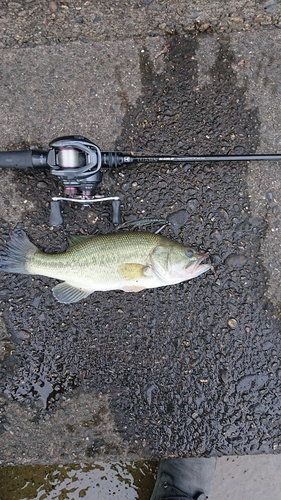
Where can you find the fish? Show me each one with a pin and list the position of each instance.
(128, 261)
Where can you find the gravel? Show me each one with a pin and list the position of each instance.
(27, 23)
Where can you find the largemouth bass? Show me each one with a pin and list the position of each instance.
(129, 261)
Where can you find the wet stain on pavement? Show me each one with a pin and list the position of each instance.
(118, 480)
(192, 369)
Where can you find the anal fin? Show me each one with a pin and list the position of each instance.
(66, 294)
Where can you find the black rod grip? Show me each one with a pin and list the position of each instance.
(16, 159)
(23, 159)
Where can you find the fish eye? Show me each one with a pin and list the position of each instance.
(189, 253)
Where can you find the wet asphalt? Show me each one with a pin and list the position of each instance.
(188, 370)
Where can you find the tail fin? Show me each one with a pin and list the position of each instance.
(14, 258)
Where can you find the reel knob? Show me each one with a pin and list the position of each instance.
(55, 218)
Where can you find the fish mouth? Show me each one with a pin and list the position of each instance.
(201, 265)
(202, 258)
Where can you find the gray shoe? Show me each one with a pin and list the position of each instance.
(184, 479)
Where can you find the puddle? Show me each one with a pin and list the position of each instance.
(121, 481)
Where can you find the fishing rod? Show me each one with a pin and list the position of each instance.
(77, 163)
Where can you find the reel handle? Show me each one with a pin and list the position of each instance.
(55, 218)
(116, 212)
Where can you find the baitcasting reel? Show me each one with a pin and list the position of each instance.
(77, 162)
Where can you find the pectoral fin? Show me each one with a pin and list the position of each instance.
(132, 272)
(67, 294)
